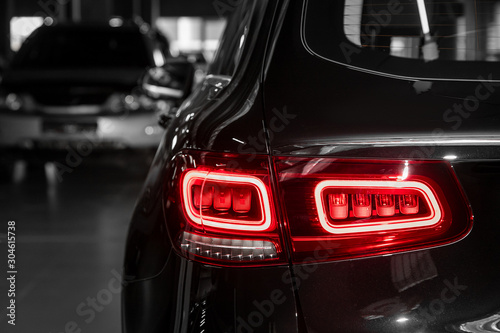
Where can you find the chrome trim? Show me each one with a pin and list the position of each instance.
(452, 149)
(413, 142)
(72, 110)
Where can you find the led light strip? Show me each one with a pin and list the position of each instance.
(262, 225)
(433, 219)
(228, 249)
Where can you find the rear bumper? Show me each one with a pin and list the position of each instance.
(27, 132)
(192, 297)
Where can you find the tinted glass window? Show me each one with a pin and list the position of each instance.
(55, 48)
(415, 38)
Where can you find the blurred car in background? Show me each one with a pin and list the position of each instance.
(76, 87)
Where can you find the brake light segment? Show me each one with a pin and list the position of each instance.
(226, 200)
(396, 205)
(385, 204)
(409, 204)
(337, 204)
(203, 199)
(361, 205)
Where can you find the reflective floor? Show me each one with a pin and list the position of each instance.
(70, 241)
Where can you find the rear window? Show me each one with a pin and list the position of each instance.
(73, 48)
(453, 39)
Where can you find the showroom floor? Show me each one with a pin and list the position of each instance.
(70, 238)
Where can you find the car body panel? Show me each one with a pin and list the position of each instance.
(199, 298)
(436, 290)
(302, 105)
(344, 113)
(200, 123)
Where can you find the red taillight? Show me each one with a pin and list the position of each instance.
(337, 206)
(377, 205)
(221, 210)
(226, 200)
(340, 209)
(362, 205)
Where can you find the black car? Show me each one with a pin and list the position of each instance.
(75, 87)
(337, 171)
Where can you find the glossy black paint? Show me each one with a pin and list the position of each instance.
(362, 295)
(338, 104)
(302, 105)
(207, 120)
(191, 297)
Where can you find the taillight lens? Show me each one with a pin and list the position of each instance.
(340, 209)
(355, 206)
(226, 200)
(220, 209)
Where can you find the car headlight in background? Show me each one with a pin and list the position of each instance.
(12, 101)
(16, 102)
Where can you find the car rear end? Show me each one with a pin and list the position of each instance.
(365, 203)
